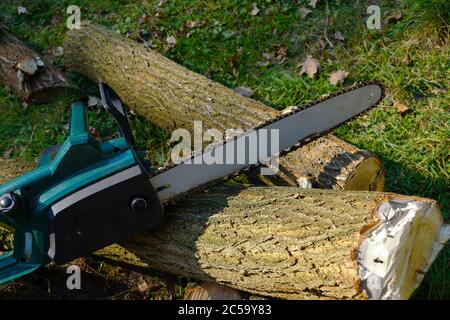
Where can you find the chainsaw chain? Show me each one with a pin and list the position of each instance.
(262, 125)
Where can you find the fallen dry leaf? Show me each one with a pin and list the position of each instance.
(191, 24)
(304, 12)
(313, 3)
(278, 53)
(171, 40)
(262, 63)
(394, 16)
(310, 66)
(338, 77)
(22, 10)
(243, 91)
(401, 108)
(59, 51)
(255, 10)
(338, 36)
(281, 54)
(437, 90)
(269, 55)
(406, 60)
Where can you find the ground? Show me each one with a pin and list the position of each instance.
(260, 44)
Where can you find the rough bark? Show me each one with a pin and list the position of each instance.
(290, 243)
(294, 243)
(174, 97)
(29, 75)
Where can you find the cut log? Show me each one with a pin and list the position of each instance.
(174, 97)
(294, 243)
(29, 75)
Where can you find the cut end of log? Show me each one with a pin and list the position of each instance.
(30, 76)
(397, 252)
(368, 176)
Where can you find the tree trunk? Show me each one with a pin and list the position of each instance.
(30, 76)
(174, 97)
(294, 243)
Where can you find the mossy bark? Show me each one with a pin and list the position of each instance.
(174, 97)
(29, 75)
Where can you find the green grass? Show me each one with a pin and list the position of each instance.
(409, 56)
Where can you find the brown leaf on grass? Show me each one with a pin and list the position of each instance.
(281, 54)
(394, 16)
(310, 66)
(255, 10)
(438, 91)
(22, 10)
(304, 12)
(401, 108)
(171, 40)
(338, 36)
(313, 3)
(269, 55)
(191, 24)
(278, 53)
(406, 60)
(338, 77)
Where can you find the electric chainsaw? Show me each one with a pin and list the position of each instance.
(86, 194)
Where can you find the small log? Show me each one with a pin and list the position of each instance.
(174, 97)
(294, 243)
(29, 75)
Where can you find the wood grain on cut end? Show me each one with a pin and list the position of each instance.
(336, 164)
(395, 255)
(33, 78)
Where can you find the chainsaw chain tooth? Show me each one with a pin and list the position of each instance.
(281, 153)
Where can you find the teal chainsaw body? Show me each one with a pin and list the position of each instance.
(84, 195)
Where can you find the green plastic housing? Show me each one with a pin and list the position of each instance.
(80, 161)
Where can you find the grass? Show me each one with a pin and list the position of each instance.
(409, 55)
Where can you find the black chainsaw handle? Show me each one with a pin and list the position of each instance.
(112, 103)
